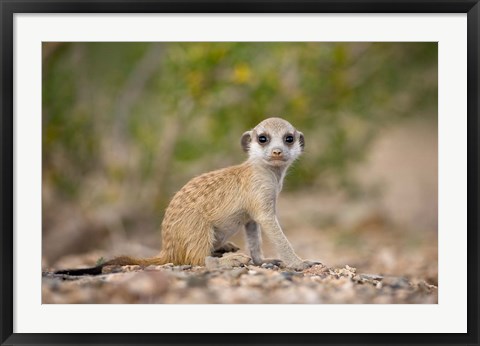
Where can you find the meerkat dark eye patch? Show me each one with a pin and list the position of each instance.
(289, 139)
(262, 139)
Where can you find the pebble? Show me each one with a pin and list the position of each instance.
(146, 283)
(237, 272)
(252, 280)
(290, 275)
(395, 282)
(112, 269)
(268, 265)
(182, 267)
(197, 281)
(211, 263)
(160, 267)
(371, 277)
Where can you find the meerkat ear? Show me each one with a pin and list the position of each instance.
(301, 140)
(245, 141)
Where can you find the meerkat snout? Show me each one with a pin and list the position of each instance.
(274, 141)
(277, 152)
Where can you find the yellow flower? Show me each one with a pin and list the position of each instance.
(242, 73)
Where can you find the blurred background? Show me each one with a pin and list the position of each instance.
(126, 125)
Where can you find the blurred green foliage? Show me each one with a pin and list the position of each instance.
(135, 121)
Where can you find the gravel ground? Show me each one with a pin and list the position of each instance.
(247, 284)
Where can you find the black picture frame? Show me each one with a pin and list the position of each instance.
(10, 7)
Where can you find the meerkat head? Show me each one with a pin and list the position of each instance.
(274, 141)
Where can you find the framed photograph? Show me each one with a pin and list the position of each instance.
(290, 173)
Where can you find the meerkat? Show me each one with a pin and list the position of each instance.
(212, 207)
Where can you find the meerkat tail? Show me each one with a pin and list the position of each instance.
(118, 261)
(82, 271)
(127, 260)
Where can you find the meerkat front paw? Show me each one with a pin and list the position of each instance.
(300, 266)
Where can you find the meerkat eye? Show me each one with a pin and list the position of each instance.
(262, 139)
(289, 139)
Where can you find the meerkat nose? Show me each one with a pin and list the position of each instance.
(277, 152)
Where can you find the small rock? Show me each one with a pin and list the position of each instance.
(183, 267)
(253, 280)
(396, 282)
(358, 279)
(212, 263)
(290, 275)
(371, 277)
(237, 272)
(112, 269)
(197, 281)
(153, 268)
(146, 283)
(159, 267)
(259, 271)
(347, 271)
(131, 268)
(219, 282)
(318, 269)
(423, 286)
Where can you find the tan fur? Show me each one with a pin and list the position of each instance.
(213, 206)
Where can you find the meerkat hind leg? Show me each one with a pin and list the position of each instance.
(234, 260)
(227, 247)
